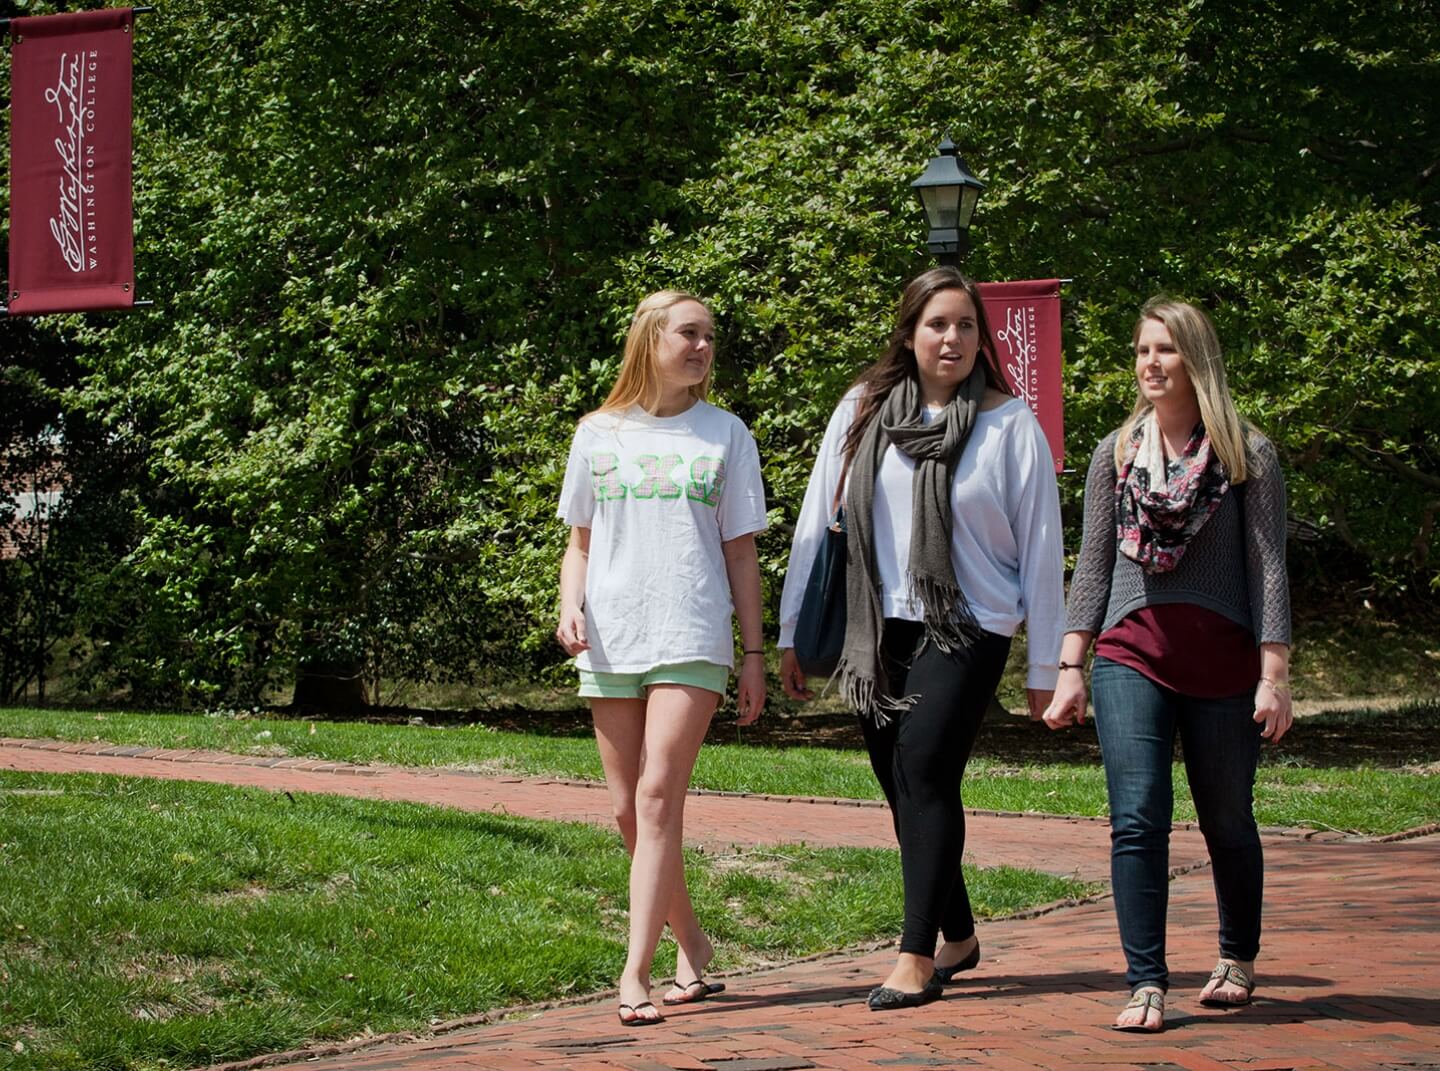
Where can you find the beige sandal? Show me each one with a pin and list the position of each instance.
(1225, 971)
(1151, 998)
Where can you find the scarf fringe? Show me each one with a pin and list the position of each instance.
(864, 696)
(949, 622)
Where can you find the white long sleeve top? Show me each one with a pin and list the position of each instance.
(1005, 540)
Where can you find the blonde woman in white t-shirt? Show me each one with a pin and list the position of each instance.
(663, 497)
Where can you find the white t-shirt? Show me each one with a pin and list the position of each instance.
(1005, 538)
(660, 495)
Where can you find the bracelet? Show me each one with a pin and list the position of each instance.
(1278, 687)
(758, 650)
(1072, 665)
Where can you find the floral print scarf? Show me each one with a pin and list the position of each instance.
(1160, 507)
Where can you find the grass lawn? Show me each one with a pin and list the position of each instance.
(150, 924)
(1337, 793)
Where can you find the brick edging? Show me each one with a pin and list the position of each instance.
(1410, 834)
(196, 755)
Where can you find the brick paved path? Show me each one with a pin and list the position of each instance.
(1066, 846)
(1349, 977)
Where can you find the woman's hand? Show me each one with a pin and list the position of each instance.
(1272, 694)
(750, 693)
(571, 630)
(1067, 705)
(1272, 709)
(1038, 699)
(742, 566)
(792, 677)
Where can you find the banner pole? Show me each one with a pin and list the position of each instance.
(5, 23)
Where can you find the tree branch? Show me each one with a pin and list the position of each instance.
(455, 557)
(1342, 525)
(1311, 454)
(1327, 155)
(1190, 141)
(1388, 461)
(1420, 553)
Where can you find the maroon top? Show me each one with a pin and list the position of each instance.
(1186, 648)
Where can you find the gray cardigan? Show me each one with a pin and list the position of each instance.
(1235, 564)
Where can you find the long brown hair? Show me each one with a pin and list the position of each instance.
(898, 360)
(1195, 337)
(639, 381)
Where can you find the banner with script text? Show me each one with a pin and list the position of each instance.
(1025, 320)
(71, 237)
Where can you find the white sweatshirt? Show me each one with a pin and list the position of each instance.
(1005, 541)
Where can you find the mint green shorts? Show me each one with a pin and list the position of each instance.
(595, 684)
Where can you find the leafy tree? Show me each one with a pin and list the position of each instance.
(352, 227)
(62, 525)
(1138, 150)
(394, 246)
(32, 617)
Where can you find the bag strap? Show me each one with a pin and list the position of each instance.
(845, 460)
(839, 489)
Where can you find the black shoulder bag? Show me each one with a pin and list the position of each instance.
(820, 629)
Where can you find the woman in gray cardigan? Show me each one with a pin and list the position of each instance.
(1181, 585)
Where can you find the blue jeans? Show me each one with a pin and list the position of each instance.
(1136, 720)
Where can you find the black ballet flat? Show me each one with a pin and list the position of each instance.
(946, 975)
(883, 998)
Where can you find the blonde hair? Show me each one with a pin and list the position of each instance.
(639, 381)
(1199, 345)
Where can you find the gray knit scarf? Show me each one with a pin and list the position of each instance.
(949, 622)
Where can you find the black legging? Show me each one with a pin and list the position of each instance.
(919, 759)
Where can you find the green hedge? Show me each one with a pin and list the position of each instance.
(394, 245)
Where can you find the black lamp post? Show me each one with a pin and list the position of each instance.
(949, 192)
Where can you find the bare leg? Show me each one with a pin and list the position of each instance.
(648, 749)
(620, 734)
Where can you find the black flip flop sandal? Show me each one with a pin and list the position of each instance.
(690, 994)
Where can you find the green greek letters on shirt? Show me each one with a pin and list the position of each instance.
(707, 477)
(604, 475)
(704, 484)
(657, 482)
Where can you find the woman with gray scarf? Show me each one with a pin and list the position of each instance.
(953, 525)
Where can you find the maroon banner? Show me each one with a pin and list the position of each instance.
(1025, 320)
(71, 237)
